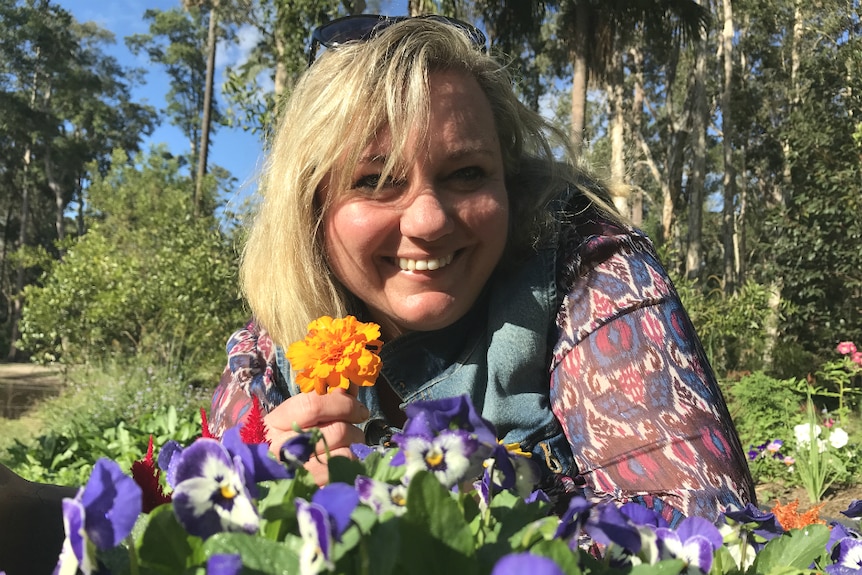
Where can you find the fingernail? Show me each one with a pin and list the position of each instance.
(364, 411)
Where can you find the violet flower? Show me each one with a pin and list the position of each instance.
(854, 511)
(257, 463)
(382, 497)
(428, 418)
(605, 523)
(322, 521)
(520, 563)
(211, 495)
(695, 540)
(168, 460)
(99, 517)
(296, 452)
(762, 523)
(224, 564)
(847, 557)
(447, 456)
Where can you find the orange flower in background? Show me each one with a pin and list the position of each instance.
(336, 353)
(789, 518)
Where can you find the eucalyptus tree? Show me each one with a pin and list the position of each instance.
(65, 104)
(178, 41)
(280, 30)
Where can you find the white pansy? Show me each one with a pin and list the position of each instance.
(838, 438)
(803, 433)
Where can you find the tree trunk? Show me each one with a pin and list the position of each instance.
(697, 177)
(729, 178)
(637, 192)
(619, 191)
(208, 105)
(580, 77)
(781, 193)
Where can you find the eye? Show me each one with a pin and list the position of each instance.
(370, 184)
(470, 173)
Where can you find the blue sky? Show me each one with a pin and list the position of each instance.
(238, 151)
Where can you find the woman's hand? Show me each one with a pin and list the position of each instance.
(334, 413)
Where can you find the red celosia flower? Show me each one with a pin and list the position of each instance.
(205, 426)
(146, 475)
(254, 429)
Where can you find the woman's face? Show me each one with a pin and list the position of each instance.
(419, 251)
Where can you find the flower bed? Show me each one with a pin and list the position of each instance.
(232, 508)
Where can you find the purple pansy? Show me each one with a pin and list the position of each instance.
(211, 495)
(643, 516)
(762, 523)
(316, 534)
(847, 557)
(695, 541)
(257, 463)
(447, 456)
(100, 516)
(428, 418)
(168, 460)
(855, 509)
(224, 564)
(520, 563)
(604, 523)
(296, 451)
(322, 521)
(380, 496)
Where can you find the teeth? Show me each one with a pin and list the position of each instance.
(424, 265)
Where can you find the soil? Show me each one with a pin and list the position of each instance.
(23, 384)
(835, 500)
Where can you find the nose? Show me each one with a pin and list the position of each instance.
(426, 217)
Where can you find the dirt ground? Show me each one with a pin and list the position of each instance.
(834, 501)
(22, 384)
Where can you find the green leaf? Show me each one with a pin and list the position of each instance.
(796, 549)
(668, 567)
(342, 469)
(435, 536)
(165, 547)
(558, 551)
(259, 556)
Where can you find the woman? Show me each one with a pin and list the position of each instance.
(407, 185)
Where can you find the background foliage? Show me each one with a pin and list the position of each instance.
(731, 130)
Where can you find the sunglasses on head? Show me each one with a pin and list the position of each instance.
(365, 26)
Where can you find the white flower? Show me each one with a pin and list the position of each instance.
(803, 433)
(838, 438)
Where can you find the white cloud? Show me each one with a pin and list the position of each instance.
(237, 52)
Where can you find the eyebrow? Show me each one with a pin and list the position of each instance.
(456, 154)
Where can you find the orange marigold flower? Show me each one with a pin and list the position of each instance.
(336, 353)
(789, 518)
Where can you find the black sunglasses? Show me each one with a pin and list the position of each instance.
(365, 26)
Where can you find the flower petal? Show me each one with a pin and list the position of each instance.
(112, 501)
(520, 563)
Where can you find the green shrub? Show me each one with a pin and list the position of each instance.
(765, 408)
(108, 412)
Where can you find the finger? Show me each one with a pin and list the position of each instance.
(311, 410)
(318, 465)
(339, 435)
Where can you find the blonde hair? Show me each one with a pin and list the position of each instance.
(336, 109)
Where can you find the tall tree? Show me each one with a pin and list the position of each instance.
(66, 103)
(177, 40)
(597, 36)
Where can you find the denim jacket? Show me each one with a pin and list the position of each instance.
(498, 354)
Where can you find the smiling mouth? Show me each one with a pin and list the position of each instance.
(407, 264)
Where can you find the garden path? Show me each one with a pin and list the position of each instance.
(21, 384)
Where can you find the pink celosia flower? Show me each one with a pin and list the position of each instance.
(846, 348)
